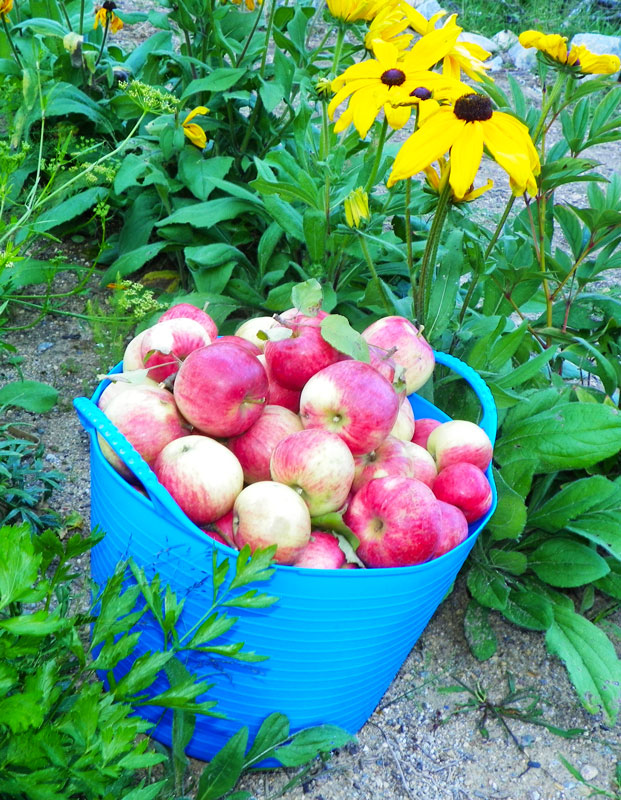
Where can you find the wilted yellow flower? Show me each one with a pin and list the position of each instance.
(356, 207)
(5, 7)
(464, 130)
(354, 10)
(193, 130)
(101, 17)
(554, 46)
(389, 25)
(387, 81)
(436, 181)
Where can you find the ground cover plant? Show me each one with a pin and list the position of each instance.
(240, 150)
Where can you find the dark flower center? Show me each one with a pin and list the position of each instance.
(421, 93)
(473, 108)
(393, 77)
(109, 5)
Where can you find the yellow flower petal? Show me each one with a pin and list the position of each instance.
(431, 48)
(397, 117)
(365, 106)
(466, 155)
(478, 192)
(195, 111)
(426, 145)
(195, 134)
(508, 151)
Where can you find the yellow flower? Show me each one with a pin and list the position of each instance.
(389, 25)
(463, 56)
(354, 10)
(5, 7)
(101, 17)
(356, 207)
(464, 130)
(193, 130)
(250, 4)
(554, 46)
(387, 81)
(436, 181)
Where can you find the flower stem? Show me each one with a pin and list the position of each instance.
(268, 36)
(548, 104)
(408, 229)
(338, 47)
(380, 286)
(378, 156)
(250, 36)
(103, 41)
(422, 292)
(8, 36)
(81, 24)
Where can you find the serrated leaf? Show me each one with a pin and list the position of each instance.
(528, 610)
(307, 744)
(337, 331)
(307, 297)
(251, 567)
(487, 587)
(564, 563)
(274, 731)
(573, 500)
(509, 518)
(591, 661)
(19, 565)
(480, 635)
(142, 674)
(223, 771)
(512, 561)
(214, 626)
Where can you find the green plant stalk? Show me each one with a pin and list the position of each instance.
(29, 211)
(250, 36)
(376, 277)
(10, 40)
(219, 39)
(103, 41)
(81, 23)
(422, 291)
(338, 48)
(408, 229)
(378, 156)
(549, 103)
(268, 36)
(188, 44)
(64, 13)
(486, 255)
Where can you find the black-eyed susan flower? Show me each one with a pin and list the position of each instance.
(354, 10)
(579, 57)
(436, 180)
(5, 7)
(465, 129)
(356, 207)
(389, 25)
(112, 22)
(193, 130)
(387, 80)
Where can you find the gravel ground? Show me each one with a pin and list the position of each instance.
(417, 744)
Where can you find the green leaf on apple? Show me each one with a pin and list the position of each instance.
(307, 297)
(338, 332)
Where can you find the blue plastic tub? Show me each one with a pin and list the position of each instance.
(335, 639)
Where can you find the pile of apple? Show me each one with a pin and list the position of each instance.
(273, 436)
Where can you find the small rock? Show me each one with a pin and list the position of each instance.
(522, 57)
(504, 39)
(429, 7)
(52, 458)
(44, 346)
(589, 772)
(495, 64)
(534, 795)
(598, 43)
(476, 38)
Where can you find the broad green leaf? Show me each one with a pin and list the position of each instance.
(338, 332)
(132, 261)
(132, 168)
(565, 563)
(572, 502)
(314, 223)
(19, 565)
(150, 792)
(223, 771)
(198, 173)
(21, 711)
(71, 208)
(591, 661)
(526, 371)
(610, 584)
(208, 214)
(46, 27)
(217, 81)
(510, 515)
(273, 732)
(443, 296)
(567, 436)
(480, 635)
(512, 561)
(307, 744)
(603, 528)
(39, 623)
(307, 297)
(528, 610)
(30, 395)
(142, 674)
(487, 587)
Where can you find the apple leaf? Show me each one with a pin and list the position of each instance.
(307, 297)
(337, 331)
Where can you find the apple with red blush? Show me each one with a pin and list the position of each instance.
(352, 399)
(167, 343)
(188, 311)
(250, 329)
(404, 424)
(270, 513)
(389, 458)
(254, 447)
(318, 465)
(423, 465)
(465, 486)
(397, 521)
(241, 342)
(422, 429)
(460, 440)
(453, 528)
(280, 395)
(409, 348)
(221, 389)
(322, 552)
(121, 381)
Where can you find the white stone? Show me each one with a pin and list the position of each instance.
(495, 64)
(523, 57)
(589, 772)
(504, 39)
(476, 38)
(429, 7)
